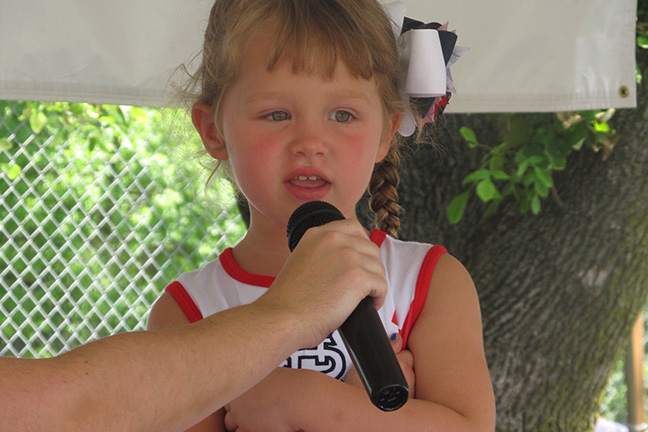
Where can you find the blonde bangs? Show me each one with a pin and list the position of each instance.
(314, 44)
(315, 35)
(312, 35)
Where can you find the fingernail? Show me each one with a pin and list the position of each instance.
(394, 336)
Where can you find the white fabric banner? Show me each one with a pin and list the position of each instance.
(525, 55)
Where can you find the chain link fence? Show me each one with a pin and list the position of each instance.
(95, 220)
(100, 208)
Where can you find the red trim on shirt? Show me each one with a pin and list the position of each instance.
(237, 273)
(422, 287)
(377, 236)
(395, 319)
(186, 303)
(184, 300)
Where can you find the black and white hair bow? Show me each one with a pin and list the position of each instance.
(426, 51)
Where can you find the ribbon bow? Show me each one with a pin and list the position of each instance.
(426, 52)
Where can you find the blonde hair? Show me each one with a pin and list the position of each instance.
(314, 35)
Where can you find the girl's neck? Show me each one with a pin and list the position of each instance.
(262, 251)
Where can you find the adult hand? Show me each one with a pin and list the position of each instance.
(331, 270)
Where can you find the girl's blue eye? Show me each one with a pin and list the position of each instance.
(341, 116)
(278, 116)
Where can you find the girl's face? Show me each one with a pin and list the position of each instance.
(292, 138)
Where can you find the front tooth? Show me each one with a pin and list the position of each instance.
(312, 178)
(301, 177)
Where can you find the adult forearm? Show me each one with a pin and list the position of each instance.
(161, 380)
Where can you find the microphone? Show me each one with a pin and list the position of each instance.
(362, 332)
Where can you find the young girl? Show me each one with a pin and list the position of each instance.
(301, 100)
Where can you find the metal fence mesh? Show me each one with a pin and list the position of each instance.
(90, 236)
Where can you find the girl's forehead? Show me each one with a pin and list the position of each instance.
(257, 84)
(258, 63)
(304, 56)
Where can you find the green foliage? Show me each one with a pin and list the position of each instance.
(614, 404)
(533, 147)
(99, 209)
(642, 36)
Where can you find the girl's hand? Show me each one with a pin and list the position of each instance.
(268, 406)
(406, 361)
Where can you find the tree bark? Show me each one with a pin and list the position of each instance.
(559, 291)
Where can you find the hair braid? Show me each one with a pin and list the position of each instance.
(384, 196)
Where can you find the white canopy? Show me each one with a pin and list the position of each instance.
(525, 55)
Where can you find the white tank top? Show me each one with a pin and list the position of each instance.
(222, 284)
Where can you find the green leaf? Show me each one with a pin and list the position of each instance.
(588, 115)
(486, 190)
(477, 175)
(602, 127)
(497, 161)
(37, 121)
(5, 144)
(529, 178)
(76, 108)
(469, 135)
(92, 143)
(500, 175)
(11, 171)
(536, 160)
(535, 205)
(522, 168)
(557, 162)
(455, 210)
(105, 145)
(541, 189)
(125, 111)
(642, 41)
(543, 176)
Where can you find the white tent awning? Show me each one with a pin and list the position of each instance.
(525, 55)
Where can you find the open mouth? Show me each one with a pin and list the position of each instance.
(308, 182)
(308, 187)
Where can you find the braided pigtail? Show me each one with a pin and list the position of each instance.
(384, 196)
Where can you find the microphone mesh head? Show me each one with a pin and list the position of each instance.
(308, 215)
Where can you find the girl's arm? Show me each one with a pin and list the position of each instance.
(453, 387)
(166, 313)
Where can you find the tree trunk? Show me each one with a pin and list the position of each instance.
(559, 291)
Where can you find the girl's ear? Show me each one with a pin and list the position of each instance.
(204, 122)
(390, 130)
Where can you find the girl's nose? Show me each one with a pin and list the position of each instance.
(309, 140)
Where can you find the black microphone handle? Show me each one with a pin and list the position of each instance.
(363, 332)
(374, 359)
